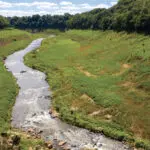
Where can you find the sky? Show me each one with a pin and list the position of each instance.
(31, 7)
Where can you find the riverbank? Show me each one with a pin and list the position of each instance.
(99, 81)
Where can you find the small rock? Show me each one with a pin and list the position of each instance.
(50, 111)
(33, 134)
(99, 144)
(66, 148)
(34, 115)
(30, 130)
(22, 71)
(30, 148)
(61, 143)
(16, 139)
(108, 117)
(50, 146)
(38, 136)
(40, 132)
(55, 114)
(28, 136)
(89, 147)
(10, 141)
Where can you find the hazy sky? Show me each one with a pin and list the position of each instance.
(30, 7)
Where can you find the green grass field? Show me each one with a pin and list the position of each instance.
(100, 81)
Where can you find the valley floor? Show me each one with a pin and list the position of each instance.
(100, 81)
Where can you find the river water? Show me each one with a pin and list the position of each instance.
(31, 109)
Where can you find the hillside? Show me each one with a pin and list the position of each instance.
(100, 81)
(127, 15)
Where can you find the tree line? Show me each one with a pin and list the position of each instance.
(3, 22)
(127, 15)
(37, 22)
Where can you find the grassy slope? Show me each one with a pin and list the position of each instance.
(106, 73)
(11, 40)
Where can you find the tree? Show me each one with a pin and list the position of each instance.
(3, 22)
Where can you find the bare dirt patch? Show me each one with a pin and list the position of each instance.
(86, 97)
(128, 84)
(102, 72)
(95, 113)
(124, 67)
(88, 74)
(83, 48)
(84, 103)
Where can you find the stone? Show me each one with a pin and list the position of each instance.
(89, 147)
(16, 139)
(23, 71)
(38, 136)
(55, 114)
(50, 111)
(10, 141)
(61, 143)
(30, 148)
(108, 117)
(66, 148)
(28, 136)
(50, 146)
(40, 132)
(30, 130)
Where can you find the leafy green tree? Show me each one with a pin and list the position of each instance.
(3, 22)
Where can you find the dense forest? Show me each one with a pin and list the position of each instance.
(40, 22)
(127, 15)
